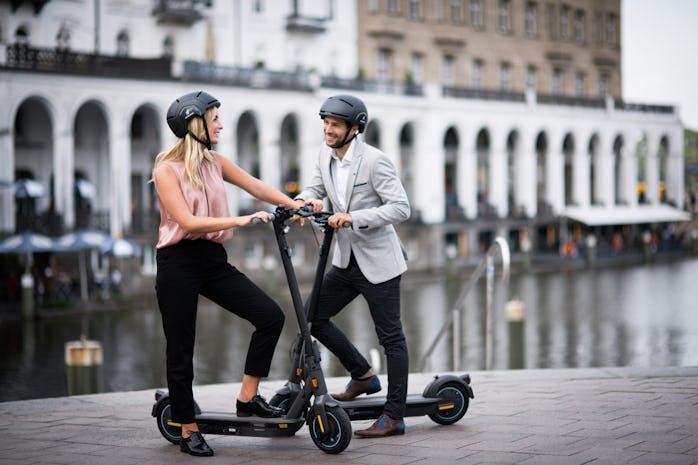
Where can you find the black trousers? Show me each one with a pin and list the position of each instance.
(192, 268)
(339, 288)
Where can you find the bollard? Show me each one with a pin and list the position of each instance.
(515, 310)
(27, 295)
(591, 250)
(83, 360)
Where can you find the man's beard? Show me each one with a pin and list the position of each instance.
(341, 141)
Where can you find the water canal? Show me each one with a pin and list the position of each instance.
(622, 316)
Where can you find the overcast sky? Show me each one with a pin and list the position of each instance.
(660, 64)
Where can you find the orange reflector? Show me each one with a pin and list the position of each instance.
(299, 371)
(322, 427)
(447, 406)
(315, 383)
(172, 423)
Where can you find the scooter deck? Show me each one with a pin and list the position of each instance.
(370, 407)
(233, 425)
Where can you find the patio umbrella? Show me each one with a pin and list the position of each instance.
(27, 243)
(83, 239)
(80, 241)
(86, 189)
(29, 188)
(122, 247)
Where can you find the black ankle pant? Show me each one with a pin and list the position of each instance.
(341, 286)
(192, 268)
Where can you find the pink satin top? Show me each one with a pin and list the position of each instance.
(210, 201)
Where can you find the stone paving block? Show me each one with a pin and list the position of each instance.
(663, 459)
(499, 458)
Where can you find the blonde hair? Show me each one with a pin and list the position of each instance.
(189, 150)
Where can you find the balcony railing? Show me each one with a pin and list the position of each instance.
(57, 61)
(305, 24)
(566, 100)
(642, 107)
(183, 12)
(388, 87)
(483, 94)
(246, 77)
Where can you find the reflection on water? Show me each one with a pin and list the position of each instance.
(635, 316)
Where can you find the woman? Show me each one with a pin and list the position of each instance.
(191, 260)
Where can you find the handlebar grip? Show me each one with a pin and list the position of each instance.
(256, 220)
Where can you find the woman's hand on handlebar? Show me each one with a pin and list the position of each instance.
(316, 205)
(255, 218)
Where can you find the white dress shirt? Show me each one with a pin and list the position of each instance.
(340, 174)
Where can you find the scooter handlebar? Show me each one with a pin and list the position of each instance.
(319, 217)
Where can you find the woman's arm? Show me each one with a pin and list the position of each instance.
(170, 193)
(254, 186)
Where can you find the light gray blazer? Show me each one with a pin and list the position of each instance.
(376, 200)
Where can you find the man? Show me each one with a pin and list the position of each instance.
(364, 190)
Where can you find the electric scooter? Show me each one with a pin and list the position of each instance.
(328, 423)
(445, 399)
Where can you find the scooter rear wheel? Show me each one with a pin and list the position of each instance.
(163, 416)
(337, 433)
(457, 394)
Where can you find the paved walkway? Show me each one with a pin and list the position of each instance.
(577, 416)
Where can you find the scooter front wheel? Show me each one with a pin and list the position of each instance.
(334, 437)
(283, 401)
(458, 402)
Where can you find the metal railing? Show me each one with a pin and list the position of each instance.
(24, 57)
(486, 266)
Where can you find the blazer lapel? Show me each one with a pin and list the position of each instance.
(326, 169)
(355, 165)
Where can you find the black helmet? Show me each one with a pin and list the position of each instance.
(186, 107)
(346, 107)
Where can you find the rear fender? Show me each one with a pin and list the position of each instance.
(439, 381)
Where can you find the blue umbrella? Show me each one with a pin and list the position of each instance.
(29, 188)
(27, 242)
(80, 241)
(122, 247)
(84, 239)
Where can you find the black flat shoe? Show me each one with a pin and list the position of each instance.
(258, 407)
(195, 445)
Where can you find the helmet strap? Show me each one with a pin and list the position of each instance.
(207, 143)
(346, 139)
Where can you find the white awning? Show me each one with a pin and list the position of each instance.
(619, 215)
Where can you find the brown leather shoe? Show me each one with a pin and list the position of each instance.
(383, 427)
(357, 387)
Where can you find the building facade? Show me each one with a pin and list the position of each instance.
(532, 167)
(568, 48)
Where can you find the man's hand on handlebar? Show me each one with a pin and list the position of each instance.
(340, 220)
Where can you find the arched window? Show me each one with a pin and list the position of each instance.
(22, 36)
(482, 148)
(568, 153)
(63, 39)
(168, 47)
(122, 44)
(618, 169)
